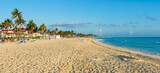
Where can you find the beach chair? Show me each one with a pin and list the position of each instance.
(24, 41)
(8, 40)
(15, 39)
(21, 41)
(3, 40)
(33, 40)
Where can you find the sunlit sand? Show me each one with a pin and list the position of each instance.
(73, 55)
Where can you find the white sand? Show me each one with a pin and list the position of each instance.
(73, 55)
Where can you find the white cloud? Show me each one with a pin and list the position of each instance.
(69, 25)
(99, 31)
(130, 33)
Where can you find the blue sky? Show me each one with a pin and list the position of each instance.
(118, 18)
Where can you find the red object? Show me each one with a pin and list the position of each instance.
(8, 30)
(23, 29)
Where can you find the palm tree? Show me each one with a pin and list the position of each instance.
(52, 32)
(16, 13)
(31, 25)
(42, 28)
(13, 25)
(45, 30)
(48, 31)
(35, 29)
(7, 24)
(20, 21)
(61, 33)
(16, 28)
(72, 33)
(56, 30)
(2, 26)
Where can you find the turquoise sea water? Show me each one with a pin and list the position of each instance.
(148, 45)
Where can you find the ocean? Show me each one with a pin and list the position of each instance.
(147, 45)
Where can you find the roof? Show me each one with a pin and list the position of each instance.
(23, 29)
(8, 30)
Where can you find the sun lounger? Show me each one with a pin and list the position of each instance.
(33, 40)
(3, 40)
(21, 41)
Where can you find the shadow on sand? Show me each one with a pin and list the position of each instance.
(125, 58)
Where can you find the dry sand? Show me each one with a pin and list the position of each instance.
(73, 55)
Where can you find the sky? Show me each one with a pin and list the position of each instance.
(109, 18)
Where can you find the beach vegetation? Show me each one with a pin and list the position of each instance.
(38, 37)
(31, 27)
(43, 28)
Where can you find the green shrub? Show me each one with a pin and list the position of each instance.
(36, 37)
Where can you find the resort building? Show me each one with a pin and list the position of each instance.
(7, 33)
(22, 33)
(36, 34)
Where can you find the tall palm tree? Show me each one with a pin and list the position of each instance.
(8, 24)
(16, 13)
(31, 25)
(20, 21)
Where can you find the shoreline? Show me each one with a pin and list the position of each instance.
(132, 52)
(133, 49)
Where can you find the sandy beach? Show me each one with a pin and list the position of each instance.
(73, 56)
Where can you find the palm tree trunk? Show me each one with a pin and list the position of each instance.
(7, 31)
(3, 32)
(20, 30)
(16, 31)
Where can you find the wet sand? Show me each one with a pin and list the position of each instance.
(73, 55)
